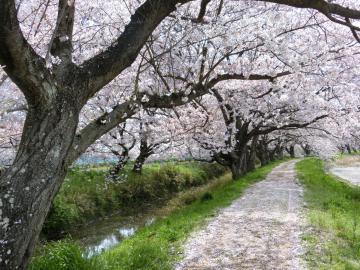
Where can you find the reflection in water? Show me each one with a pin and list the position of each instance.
(105, 244)
(109, 232)
(126, 232)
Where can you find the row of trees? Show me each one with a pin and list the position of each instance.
(217, 80)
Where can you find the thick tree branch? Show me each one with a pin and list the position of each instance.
(18, 108)
(94, 130)
(259, 131)
(328, 9)
(226, 109)
(3, 79)
(202, 11)
(251, 77)
(61, 41)
(322, 6)
(104, 67)
(21, 63)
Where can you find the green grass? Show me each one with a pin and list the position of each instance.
(334, 215)
(63, 255)
(86, 195)
(158, 246)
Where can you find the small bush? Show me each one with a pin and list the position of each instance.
(189, 199)
(207, 196)
(62, 216)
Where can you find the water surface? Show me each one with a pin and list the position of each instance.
(109, 232)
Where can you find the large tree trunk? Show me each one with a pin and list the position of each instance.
(236, 170)
(263, 153)
(279, 152)
(292, 151)
(238, 165)
(272, 155)
(28, 187)
(251, 160)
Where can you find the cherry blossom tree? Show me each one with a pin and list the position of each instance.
(61, 54)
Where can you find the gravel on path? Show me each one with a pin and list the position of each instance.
(260, 230)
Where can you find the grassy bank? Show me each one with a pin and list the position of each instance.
(157, 246)
(334, 214)
(86, 195)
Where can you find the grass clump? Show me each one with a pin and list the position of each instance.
(334, 214)
(63, 255)
(158, 246)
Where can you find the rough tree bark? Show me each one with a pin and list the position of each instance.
(49, 142)
(30, 184)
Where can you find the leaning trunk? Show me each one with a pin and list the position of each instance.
(145, 152)
(29, 186)
(279, 153)
(272, 155)
(119, 166)
(139, 163)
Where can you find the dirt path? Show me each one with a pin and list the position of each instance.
(261, 230)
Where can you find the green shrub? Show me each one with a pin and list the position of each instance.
(207, 196)
(62, 216)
